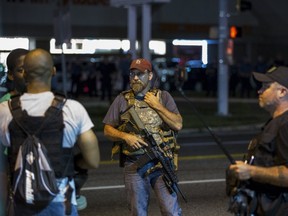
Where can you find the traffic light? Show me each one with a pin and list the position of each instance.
(243, 5)
(235, 32)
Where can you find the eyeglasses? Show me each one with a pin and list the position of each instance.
(139, 74)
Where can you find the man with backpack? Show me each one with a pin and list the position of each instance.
(54, 123)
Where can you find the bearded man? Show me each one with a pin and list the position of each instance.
(160, 116)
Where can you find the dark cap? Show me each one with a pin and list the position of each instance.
(141, 65)
(275, 74)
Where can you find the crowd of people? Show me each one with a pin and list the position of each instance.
(99, 78)
(242, 83)
(108, 75)
(142, 121)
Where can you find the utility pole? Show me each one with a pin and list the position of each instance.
(146, 30)
(132, 29)
(1, 22)
(132, 5)
(222, 61)
(62, 31)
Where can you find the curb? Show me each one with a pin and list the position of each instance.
(201, 131)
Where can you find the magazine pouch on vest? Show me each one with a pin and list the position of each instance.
(168, 136)
(34, 183)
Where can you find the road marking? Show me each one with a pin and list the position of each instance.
(204, 157)
(102, 187)
(212, 143)
(204, 181)
(196, 157)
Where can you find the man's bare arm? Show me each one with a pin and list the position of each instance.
(88, 144)
(113, 134)
(276, 175)
(116, 135)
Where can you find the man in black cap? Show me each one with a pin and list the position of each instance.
(159, 114)
(264, 174)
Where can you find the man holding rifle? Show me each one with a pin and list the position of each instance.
(143, 122)
(263, 188)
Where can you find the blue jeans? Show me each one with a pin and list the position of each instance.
(57, 209)
(54, 208)
(138, 192)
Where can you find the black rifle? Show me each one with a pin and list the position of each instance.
(155, 153)
(214, 136)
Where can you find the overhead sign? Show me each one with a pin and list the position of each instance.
(119, 3)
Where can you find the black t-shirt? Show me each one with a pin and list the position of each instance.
(272, 143)
(270, 148)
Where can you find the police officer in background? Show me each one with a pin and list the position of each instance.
(159, 113)
(265, 173)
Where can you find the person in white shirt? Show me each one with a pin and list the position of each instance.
(39, 69)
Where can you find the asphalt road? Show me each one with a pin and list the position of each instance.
(201, 177)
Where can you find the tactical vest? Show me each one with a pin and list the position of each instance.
(153, 123)
(51, 135)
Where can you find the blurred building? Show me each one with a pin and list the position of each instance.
(262, 24)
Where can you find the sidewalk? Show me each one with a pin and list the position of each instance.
(95, 101)
(190, 132)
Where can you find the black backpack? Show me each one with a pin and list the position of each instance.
(34, 183)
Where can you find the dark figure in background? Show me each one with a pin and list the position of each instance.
(233, 80)
(92, 80)
(264, 173)
(260, 67)
(76, 69)
(84, 79)
(124, 65)
(211, 79)
(245, 76)
(106, 69)
(278, 61)
(180, 76)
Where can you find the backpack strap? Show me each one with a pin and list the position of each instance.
(59, 101)
(55, 108)
(15, 106)
(16, 111)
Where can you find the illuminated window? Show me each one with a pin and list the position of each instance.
(202, 43)
(8, 44)
(91, 46)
